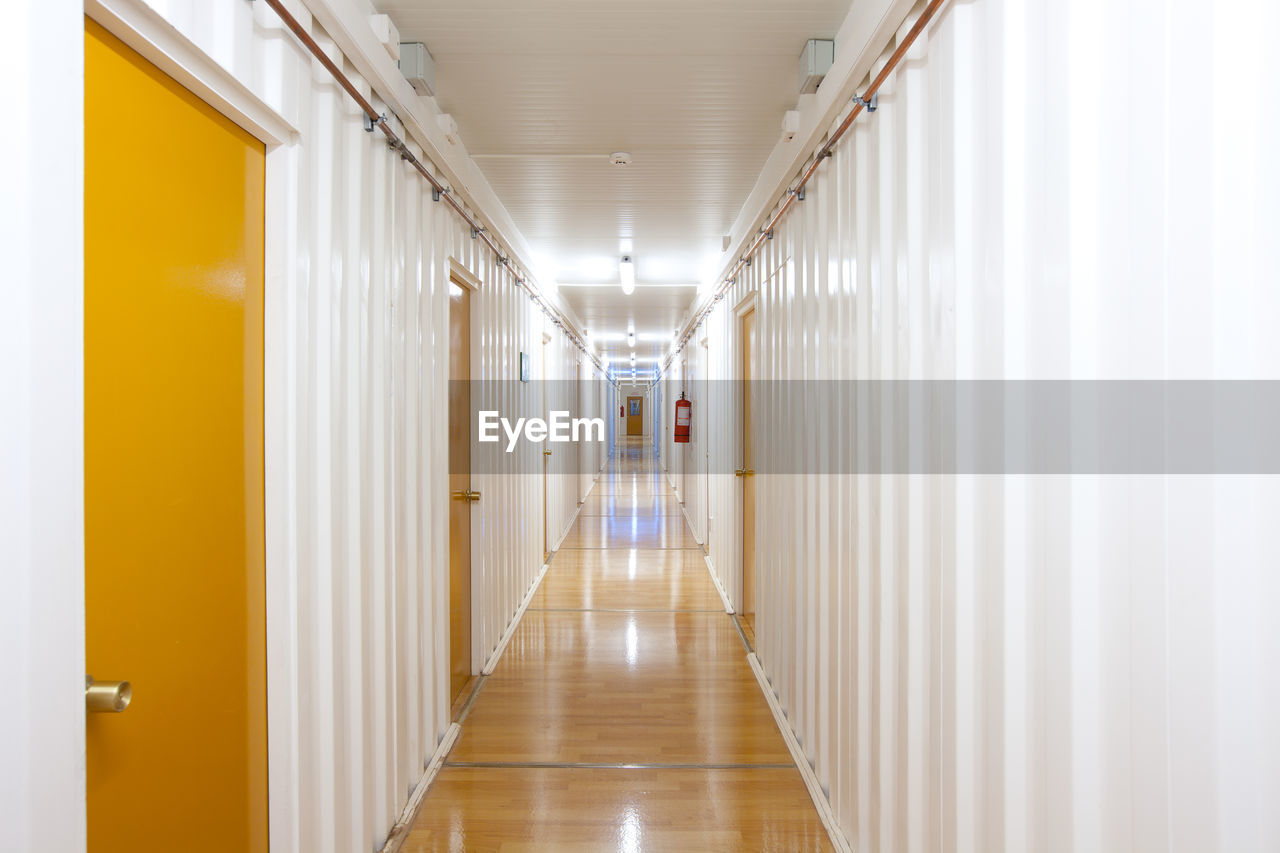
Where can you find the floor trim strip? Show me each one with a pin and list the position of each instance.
(400, 831)
(476, 687)
(590, 765)
(623, 610)
(737, 623)
(625, 547)
(820, 801)
(715, 580)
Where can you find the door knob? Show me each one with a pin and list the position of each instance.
(748, 472)
(546, 453)
(462, 496)
(473, 496)
(738, 472)
(106, 697)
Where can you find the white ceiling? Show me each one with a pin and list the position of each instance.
(694, 90)
(652, 312)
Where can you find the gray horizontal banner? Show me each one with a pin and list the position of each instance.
(1128, 427)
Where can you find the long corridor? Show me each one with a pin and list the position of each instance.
(623, 715)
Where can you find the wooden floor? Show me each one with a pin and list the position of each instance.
(623, 715)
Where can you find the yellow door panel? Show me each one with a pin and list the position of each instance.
(635, 415)
(174, 577)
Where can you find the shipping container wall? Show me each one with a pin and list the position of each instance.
(357, 492)
(1079, 191)
(575, 385)
(686, 463)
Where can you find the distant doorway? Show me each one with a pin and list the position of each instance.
(635, 416)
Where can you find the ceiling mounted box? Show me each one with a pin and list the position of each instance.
(815, 62)
(418, 67)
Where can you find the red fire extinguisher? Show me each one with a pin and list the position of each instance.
(622, 411)
(684, 414)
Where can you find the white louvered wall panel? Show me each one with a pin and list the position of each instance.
(357, 448)
(1048, 191)
(686, 464)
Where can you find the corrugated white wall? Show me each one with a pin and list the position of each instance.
(1081, 191)
(357, 321)
(686, 464)
(575, 385)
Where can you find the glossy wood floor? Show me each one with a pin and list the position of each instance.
(623, 715)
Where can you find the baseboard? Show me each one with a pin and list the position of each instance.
(400, 832)
(820, 801)
(487, 669)
(715, 579)
(692, 529)
(492, 662)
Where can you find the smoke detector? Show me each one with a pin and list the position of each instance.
(620, 158)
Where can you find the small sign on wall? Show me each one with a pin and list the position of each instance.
(524, 367)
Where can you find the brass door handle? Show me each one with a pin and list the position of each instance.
(473, 497)
(106, 697)
(462, 496)
(743, 472)
(546, 453)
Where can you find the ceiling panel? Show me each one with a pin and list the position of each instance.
(544, 90)
(652, 312)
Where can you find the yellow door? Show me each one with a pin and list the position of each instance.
(460, 488)
(748, 479)
(635, 415)
(174, 576)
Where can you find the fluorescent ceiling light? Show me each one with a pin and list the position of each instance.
(627, 270)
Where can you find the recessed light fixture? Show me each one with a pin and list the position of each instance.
(627, 271)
